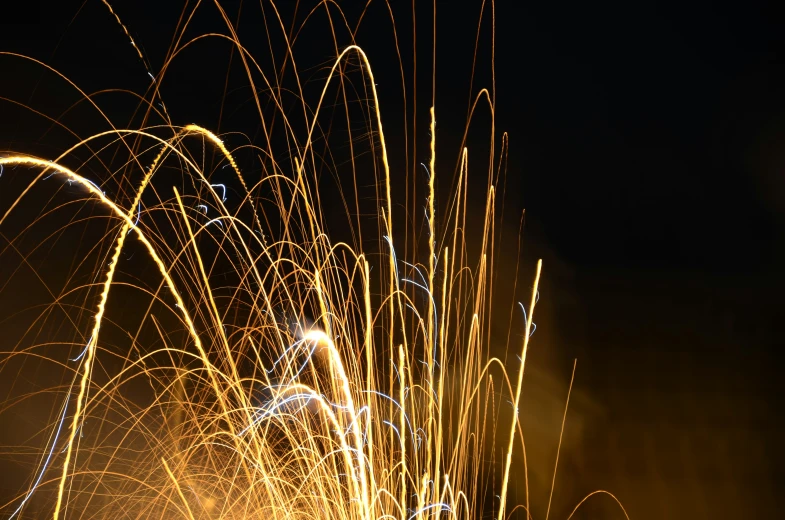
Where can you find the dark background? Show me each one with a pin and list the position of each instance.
(647, 143)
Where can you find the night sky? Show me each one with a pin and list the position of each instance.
(647, 146)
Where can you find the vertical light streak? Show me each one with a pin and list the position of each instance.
(88, 365)
(514, 422)
(177, 487)
(402, 429)
(431, 273)
(561, 434)
(440, 396)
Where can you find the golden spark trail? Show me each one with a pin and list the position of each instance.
(177, 486)
(254, 352)
(514, 424)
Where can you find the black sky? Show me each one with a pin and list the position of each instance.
(651, 131)
(644, 136)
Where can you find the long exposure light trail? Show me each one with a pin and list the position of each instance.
(263, 368)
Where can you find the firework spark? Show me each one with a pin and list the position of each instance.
(242, 362)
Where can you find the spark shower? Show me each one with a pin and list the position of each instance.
(219, 341)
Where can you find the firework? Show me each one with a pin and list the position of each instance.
(233, 350)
